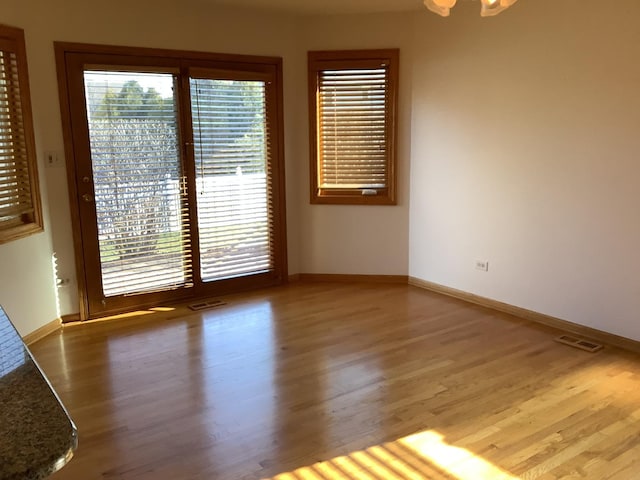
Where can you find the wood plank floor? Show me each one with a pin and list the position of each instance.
(334, 381)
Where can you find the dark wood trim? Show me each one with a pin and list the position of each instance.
(70, 318)
(392, 124)
(187, 158)
(557, 323)
(279, 179)
(320, 60)
(312, 94)
(70, 163)
(161, 53)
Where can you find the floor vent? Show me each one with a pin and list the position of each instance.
(206, 304)
(580, 343)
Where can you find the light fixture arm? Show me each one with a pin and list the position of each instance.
(488, 8)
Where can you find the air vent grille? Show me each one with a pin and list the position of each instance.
(204, 305)
(580, 343)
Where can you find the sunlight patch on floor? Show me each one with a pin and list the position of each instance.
(456, 461)
(120, 316)
(421, 456)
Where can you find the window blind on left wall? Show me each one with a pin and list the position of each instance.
(19, 199)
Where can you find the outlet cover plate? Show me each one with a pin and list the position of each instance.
(482, 265)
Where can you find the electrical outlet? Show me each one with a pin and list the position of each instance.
(52, 159)
(482, 265)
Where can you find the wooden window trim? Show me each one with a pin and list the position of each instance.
(346, 59)
(70, 56)
(30, 221)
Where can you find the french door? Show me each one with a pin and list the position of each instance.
(176, 174)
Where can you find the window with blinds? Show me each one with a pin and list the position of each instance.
(20, 211)
(178, 165)
(231, 157)
(140, 202)
(352, 105)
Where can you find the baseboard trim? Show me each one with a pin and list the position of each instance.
(43, 331)
(557, 323)
(342, 278)
(530, 315)
(71, 318)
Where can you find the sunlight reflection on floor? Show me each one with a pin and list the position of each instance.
(424, 455)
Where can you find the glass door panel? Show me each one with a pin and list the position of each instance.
(142, 222)
(231, 156)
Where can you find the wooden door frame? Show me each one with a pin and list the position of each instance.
(68, 52)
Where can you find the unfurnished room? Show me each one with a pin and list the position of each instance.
(296, 240)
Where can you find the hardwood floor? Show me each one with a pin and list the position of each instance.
(335, 381)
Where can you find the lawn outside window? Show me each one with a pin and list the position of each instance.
(352, 116)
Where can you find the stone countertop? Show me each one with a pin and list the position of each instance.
(37, 437)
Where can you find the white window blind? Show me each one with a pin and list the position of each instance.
(352, 128)
(19, 200)
(232, 178)
(142, 219)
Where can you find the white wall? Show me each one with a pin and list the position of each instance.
(526, 153)
(359, 239)
(27, 283)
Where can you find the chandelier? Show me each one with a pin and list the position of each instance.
(488, 8)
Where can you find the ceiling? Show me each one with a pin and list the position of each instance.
(312, 7)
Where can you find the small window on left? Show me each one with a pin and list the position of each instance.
(20, 210)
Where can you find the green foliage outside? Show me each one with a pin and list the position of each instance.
(134, 148)
(135, 157)
(132, 101)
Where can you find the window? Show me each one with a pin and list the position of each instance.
(352, 111)
(20, 213)
(178, 173)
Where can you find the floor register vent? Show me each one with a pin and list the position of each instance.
(206, 304)
(580, 343)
